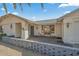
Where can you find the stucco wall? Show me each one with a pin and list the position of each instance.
(13, 20)
(71, 34)
(37, 30)
(26, 31)
(58, 29)
(8, 30)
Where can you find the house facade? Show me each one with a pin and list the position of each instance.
(65, 27)
(15, 26)
(71, 27)
(49, 28)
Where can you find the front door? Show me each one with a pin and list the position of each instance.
(32, 30)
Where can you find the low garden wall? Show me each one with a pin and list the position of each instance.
(45, 48)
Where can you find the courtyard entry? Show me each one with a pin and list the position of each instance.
(18, 30)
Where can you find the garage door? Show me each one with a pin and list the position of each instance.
(76, 32)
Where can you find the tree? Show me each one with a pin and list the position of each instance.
(21, 6)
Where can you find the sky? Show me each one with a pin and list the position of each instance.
(36, 13)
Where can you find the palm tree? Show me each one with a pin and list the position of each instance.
(5, 7)
(21, 6)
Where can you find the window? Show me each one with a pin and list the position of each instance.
(45, 29)
(48, 29)
(52, 28)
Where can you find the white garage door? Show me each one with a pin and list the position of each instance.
(76, 32)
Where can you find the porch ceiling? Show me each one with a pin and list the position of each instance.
(47, 22)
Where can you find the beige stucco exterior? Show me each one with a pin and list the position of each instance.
(12, 20)
(71, 33)
(22, 27)
(58, 29)
(67, 27)
(37, 30)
